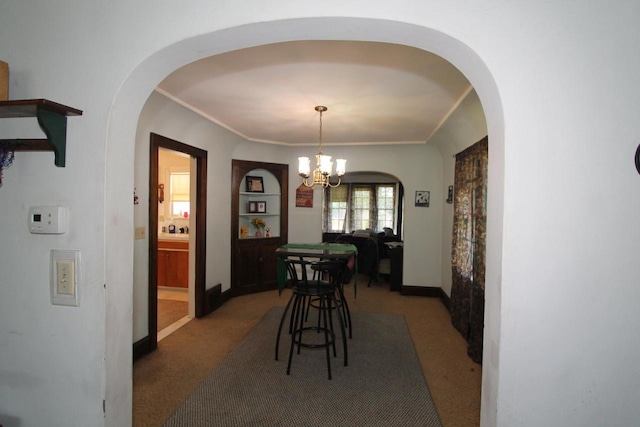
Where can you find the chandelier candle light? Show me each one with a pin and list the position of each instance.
(324, 170)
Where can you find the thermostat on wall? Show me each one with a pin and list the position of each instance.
(47, 219)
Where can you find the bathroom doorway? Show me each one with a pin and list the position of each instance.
(185, 235)
(175, 287)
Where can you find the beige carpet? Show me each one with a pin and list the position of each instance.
(165, 378)
(170, 311)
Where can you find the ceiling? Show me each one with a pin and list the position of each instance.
(376, 93)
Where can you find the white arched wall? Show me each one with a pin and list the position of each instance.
(120, 146)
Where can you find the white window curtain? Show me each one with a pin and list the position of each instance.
(179, 192)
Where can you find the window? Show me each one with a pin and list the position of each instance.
(352, 207)
(179, 193)
(337, 203)
(386, 206)
(361, 204)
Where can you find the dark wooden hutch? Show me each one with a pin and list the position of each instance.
(253, 260)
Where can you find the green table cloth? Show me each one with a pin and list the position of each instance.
(314, 250)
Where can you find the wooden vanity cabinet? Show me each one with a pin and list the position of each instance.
(173, 264)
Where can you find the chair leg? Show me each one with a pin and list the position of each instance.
(326, 307)
(293, 309)
(295, 315)
(304, 307)
(343, 333)
(345, 311)
(284, 315)
(326, 336)
(319, 312)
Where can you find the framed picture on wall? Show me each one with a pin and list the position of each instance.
(450, 195)
(255, 184)
(422, 198)
(252, 207)
(304, 197)
(261, 207)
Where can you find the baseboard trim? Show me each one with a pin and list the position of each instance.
(212, 297)
(225, 296)
(429, 292)
(141, 348)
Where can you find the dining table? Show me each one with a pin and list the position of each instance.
(322, 251)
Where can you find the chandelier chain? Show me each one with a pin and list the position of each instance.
(320, 132)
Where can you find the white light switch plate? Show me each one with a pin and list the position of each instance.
(140, 233)
(65, 277)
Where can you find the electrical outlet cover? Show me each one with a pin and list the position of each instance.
(140, 233)
(65, 277)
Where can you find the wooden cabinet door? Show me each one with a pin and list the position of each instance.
(247, 269)
(162, 268)
(268, 264)
(173, 264)
(177, 269)
(255, 266)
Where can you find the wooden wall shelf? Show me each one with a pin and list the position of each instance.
(52, 118)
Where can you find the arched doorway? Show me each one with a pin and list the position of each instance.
(122, 128)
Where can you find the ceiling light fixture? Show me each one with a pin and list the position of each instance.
(324, 170)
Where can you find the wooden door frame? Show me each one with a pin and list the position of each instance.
(157, 142)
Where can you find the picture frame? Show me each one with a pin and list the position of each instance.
(304, 197)
(254, 184)
(261, 206)
(422, 198)
(252, 207)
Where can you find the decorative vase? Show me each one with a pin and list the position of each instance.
(258, 233)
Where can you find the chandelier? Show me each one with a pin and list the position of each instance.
(324, 165)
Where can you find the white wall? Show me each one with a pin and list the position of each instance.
(558, 84)
(419, 167)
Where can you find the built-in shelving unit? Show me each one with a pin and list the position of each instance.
(52, 118)
(253, 258)
(270, 198)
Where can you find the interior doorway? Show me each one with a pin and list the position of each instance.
(125, 114)
(176, 203)
(194, 226)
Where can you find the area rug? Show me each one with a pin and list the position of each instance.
(383, 385)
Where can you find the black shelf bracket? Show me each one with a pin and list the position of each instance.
(52, 118)
(55, 127)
